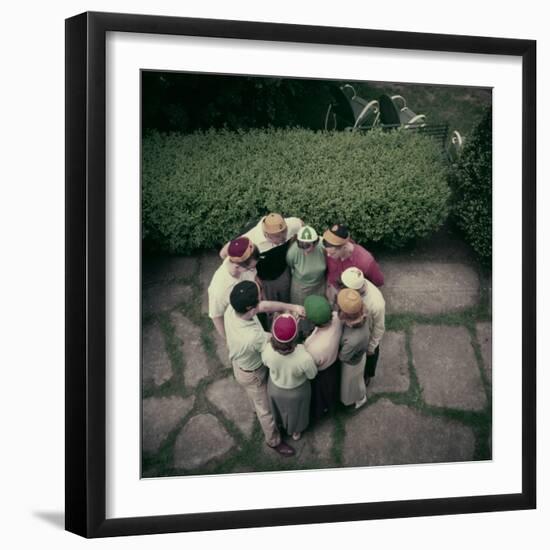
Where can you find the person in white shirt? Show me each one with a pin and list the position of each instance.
(239, 265)
(246, 341)
(376, 314)
(272, 235)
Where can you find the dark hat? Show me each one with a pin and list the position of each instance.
(240, 250)
(244, 296)
(337, 235)
(318, 309)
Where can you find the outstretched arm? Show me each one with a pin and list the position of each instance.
(223, 251)
(268, 306)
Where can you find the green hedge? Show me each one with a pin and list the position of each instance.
(471, 182)
(199, 190)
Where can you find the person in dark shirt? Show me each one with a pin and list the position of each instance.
(272, 235)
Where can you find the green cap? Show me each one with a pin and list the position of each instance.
(318, 310)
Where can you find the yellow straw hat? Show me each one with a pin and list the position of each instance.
(350, 301)
(273, 223)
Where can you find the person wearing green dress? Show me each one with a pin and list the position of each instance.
(306, 260)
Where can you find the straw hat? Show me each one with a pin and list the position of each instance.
(273, 223)
(350, 301)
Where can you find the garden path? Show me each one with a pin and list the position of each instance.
(429, 402)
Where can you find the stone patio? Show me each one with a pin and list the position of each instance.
(447, 368)
(396, 434)
(429, 394)
(429, 287)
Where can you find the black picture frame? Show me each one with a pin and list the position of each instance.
(86, 274)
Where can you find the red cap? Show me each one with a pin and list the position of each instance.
(284, 328)
(240, 249)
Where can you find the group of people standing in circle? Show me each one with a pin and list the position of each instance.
(302, 318)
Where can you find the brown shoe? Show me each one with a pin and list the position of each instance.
(283, 449)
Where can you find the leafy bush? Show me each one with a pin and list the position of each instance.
(200, 190)
(471, 181)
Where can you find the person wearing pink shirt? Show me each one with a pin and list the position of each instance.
(342, 252)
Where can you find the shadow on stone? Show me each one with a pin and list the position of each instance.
(164, 269)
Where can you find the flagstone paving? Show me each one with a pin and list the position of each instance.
(428, 287)
(192, 348)
(202, 439)
(447, 368)
(232, 401)
(484, 337)
(396, 434)
(160, 417)
(313, 448)
(430, 400)
(157, 367)
(392, 371)
(160, 297)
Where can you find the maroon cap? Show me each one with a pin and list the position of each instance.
(240, 249)
(284, 328)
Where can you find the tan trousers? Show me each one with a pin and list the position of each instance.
(255, 385)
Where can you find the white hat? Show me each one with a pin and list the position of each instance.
(307, 234)
(353, 278)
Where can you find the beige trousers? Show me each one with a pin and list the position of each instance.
(255, 385)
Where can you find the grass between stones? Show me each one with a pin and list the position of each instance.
(249, 455)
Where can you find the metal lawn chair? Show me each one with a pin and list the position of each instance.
(348, 111)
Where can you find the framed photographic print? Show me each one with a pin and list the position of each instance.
(300, 274)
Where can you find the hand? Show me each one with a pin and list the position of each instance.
(300, 311)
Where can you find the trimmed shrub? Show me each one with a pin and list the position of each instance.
(471, 182)
(200, 190)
